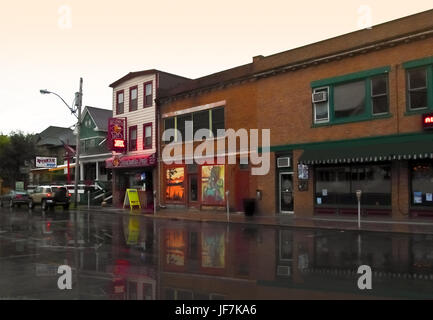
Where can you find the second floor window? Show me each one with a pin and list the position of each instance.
(120, 102)
(148, 94)
(353, 97)
(211, 119)
(417, 88)
(133, 138)
(147, 136)
(133, 98)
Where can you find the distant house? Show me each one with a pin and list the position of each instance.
(51, 143)
(94, 150)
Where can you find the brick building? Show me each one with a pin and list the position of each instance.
(344, 113)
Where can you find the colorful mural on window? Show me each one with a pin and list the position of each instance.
(212, 184)
(213, 249)
(175, 248)
(175, 184)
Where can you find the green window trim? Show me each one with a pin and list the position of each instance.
(350, 77)
(418, 64)
(365, 76)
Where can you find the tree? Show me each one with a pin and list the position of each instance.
(16, 151)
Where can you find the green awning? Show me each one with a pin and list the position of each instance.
(368, 152)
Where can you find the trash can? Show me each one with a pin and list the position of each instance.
(249, 206)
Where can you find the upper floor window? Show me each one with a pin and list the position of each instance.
(419, 85)
(417, 88)
(120, 102)
(148, 94)
(147, 136)
(133, 98)
(133, 138)
(354, 97)
(211, 120)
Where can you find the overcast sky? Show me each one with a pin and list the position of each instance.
(50, 44)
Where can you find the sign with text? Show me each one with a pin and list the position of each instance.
(131, 197)
(46, 162)
(427, 121)
(116, 137)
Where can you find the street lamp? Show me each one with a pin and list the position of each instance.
(77, 113)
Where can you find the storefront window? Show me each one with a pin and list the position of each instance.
(338, 185)
(175, 184)
(422, 184)
(212, 184)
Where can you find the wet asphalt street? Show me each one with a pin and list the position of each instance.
(121, 256)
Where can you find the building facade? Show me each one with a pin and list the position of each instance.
(344, 114)
(134, 102)
(94, 151)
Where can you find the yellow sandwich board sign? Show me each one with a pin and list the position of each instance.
(131, 196)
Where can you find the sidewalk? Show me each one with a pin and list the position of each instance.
(380, 224)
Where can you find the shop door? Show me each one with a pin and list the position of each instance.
(192, 190)
(286, 192)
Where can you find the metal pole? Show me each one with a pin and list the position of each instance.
(358, 196)
(359, 214)
(77, 153)
(88, 199)
(228, 209)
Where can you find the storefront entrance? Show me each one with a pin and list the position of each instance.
(286, 192)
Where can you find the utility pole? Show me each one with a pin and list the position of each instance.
(78, 104)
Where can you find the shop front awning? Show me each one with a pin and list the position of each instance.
(370, 151)
(121, 161)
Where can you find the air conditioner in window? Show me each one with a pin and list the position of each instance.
(321, 96)
(283, 162)
(283, 271)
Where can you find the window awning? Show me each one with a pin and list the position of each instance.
(369, 151)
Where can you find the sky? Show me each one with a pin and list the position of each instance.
(50, 44)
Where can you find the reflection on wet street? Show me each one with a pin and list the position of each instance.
(120, 257)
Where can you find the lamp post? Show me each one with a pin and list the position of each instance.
(77, 113)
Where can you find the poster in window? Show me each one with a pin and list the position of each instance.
(417, 197)
(319, 200)
(213, 249)
(175, 184)
(429, 197)
(212, 184)
(174, 248)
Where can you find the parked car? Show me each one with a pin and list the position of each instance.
(14, 198)
(50, 196)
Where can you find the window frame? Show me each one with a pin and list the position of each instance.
(327, 102)
(118, 93)
(130, 99)
(145, 105)
(191, 114)
(331, 83)
(372, 96)
(130, 139)
(146, 146)
(426, 63)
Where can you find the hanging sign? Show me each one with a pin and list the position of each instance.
(131, 197)
(116, 137)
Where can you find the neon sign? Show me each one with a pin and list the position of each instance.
(116, 136)
(427, 121)
(118, 143)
